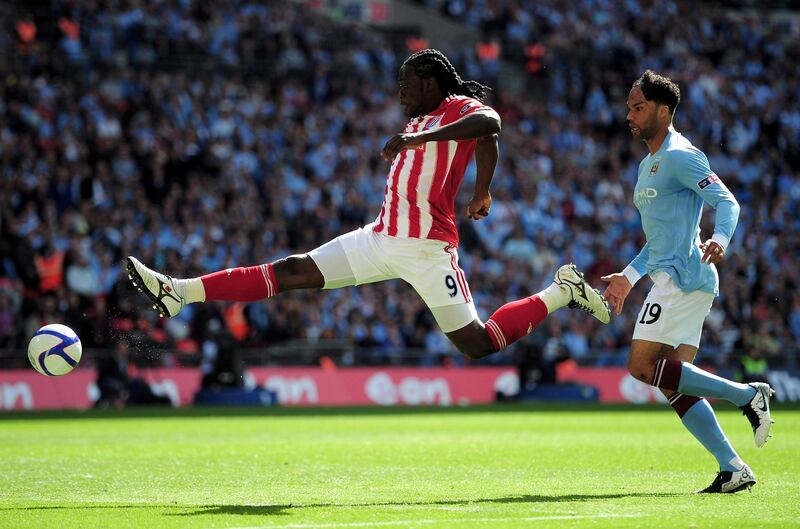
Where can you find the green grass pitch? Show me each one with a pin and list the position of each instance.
(490, 467)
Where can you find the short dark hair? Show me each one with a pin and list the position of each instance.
(433, 63)
(659, 88)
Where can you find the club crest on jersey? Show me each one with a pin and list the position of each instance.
(707, 181)
(432, 123)
(654, 167)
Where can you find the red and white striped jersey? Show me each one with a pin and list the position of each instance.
(422, 183)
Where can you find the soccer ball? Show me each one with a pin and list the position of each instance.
(54, 350)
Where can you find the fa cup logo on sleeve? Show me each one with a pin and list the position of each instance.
(707, 181)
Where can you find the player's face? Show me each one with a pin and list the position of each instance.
(410, 92)
(642, 115)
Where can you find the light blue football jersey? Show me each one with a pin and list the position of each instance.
(671, 187)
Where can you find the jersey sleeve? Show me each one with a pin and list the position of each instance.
(694, 172)
(459, 107)
(638, 267)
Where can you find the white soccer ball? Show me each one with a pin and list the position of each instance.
(54, 350)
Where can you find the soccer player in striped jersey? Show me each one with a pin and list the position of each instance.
(414, 237)
(673, 182)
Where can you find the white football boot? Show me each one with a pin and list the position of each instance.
(582, 295)
(728, 482)
(757, 412)
(159, 288)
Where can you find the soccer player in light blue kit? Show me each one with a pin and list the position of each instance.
(673, 182)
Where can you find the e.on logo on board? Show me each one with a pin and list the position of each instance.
(382, 389)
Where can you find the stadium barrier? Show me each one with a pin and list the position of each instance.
(303, 386)
(27, 390)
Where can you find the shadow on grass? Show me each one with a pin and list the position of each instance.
(240, 510)
(527, 498)
(273, 510)
(555, 498)
(252, 510)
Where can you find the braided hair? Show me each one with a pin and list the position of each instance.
(433, 63)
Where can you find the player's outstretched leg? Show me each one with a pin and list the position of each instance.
(731, 481)
(686, 378)
(582, 295)
(247, 284)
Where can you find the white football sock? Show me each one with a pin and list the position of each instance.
(192, 290)
(554, 297)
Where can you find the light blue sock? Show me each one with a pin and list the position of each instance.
(702, 423)
(694, 381)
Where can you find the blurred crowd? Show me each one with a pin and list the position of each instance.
(204, 135)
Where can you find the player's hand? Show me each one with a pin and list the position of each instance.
(399, 142)
(479, 207)
(713, 252)
(617, 290)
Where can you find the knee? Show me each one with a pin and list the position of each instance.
(475, 345)
(297, 271)
(640, 368)
(292, 265)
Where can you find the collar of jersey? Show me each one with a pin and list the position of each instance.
(438, 110)
(664, 143)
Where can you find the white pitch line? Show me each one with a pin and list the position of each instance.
(434, 521)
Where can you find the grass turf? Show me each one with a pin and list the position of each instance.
(492, 467)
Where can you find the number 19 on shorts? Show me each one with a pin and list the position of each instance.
(650, 313)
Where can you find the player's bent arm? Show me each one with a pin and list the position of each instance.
(638, 267)
(486, 155)
(476, 125)
(727, 218)
(695, 173)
